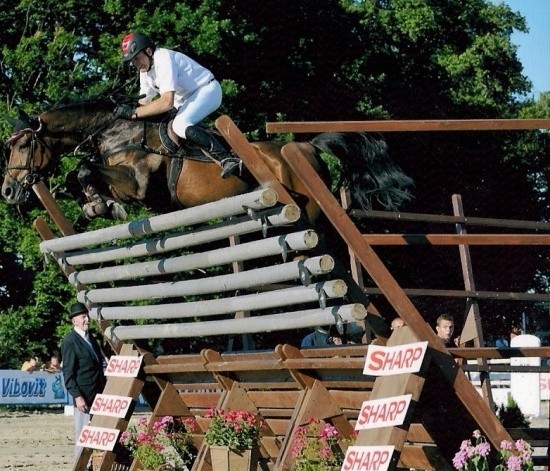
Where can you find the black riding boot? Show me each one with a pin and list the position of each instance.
(205, 140)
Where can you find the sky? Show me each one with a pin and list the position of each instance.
(534, 47)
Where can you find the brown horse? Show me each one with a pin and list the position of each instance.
(130, 161)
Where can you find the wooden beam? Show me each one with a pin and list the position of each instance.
(457, 239)
(408, 125)
(450, 293)
(443, 219)
(491, 352)
(53, 209)
(248, 155)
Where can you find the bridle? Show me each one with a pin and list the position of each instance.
(30, 165)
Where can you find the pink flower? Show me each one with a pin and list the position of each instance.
(483, 449)
(513, 463)
(460, 459)
(506, 445)
(328, 432)
(325, 452)
(521, 444)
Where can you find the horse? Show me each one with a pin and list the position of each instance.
(135, 161)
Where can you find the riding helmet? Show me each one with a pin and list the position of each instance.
(133, 43)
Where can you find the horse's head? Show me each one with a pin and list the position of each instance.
(30, 152)
(36, 141)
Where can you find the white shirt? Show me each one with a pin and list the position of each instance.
(172, 71)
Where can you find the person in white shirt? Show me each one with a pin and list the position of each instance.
(179, 82)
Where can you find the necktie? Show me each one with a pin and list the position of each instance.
(89, 343)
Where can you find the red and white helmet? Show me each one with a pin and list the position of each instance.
(133, 43)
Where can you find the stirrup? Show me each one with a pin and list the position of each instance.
(230, 165)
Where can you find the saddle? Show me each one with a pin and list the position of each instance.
(182, 148)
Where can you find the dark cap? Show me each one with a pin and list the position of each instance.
(76, 309)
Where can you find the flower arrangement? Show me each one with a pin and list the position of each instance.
(237, 430)
(318, 448)
(168, 443)
(512, 456)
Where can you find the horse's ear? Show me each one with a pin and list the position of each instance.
(24, 117)
(17, 124)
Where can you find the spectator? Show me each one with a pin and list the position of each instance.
(318, 338)
(502, 341)
(396, 323)
(82, 368)
(30, 365)
(54, 365)
(445, 326)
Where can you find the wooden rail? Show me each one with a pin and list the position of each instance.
(428, 125)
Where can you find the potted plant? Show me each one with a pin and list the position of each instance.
(233, 437)
(475, 456)
(167, 445)
(318, 446)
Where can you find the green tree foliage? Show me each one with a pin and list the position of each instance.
(298, 60)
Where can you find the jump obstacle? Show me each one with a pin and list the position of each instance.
(287, 386)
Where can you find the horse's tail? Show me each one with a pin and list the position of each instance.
(367, 168)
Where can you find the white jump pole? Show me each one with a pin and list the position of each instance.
(299, 269)
(303, 240)
(227, 207)
(271, 299)
(288, 214)
(272, 322)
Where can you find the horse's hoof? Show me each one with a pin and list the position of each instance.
(117, 210)
(94, 209)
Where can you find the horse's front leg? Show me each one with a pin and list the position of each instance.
(95, 187)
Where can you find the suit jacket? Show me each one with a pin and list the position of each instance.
(82, 370)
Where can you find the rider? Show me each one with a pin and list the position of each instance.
(181, 83)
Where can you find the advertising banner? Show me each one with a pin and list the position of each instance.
(387, 361)
(37, 387)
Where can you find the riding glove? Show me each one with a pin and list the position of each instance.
(124, 112)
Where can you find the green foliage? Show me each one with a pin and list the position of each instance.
(237, 430)
(287, 60)
(510, 415)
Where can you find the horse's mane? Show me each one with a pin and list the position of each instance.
(83, 105)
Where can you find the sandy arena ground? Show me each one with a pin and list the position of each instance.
(36, 440)
(43, 440)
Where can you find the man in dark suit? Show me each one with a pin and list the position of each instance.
(82, 367)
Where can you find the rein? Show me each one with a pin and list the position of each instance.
(32, 176)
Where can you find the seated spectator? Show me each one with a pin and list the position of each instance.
(318, 338)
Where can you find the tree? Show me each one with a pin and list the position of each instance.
(281, 59)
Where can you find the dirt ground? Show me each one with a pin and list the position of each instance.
(43, 440)
(36, 440)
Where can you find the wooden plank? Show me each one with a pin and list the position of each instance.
(53, 209)
(472, 329)
(491, 352)
(443, 219)
(407, 125)
(450, 293)
(457, 239)
(395, 385)
(424, 457)
(493, 429)
(248, 155)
